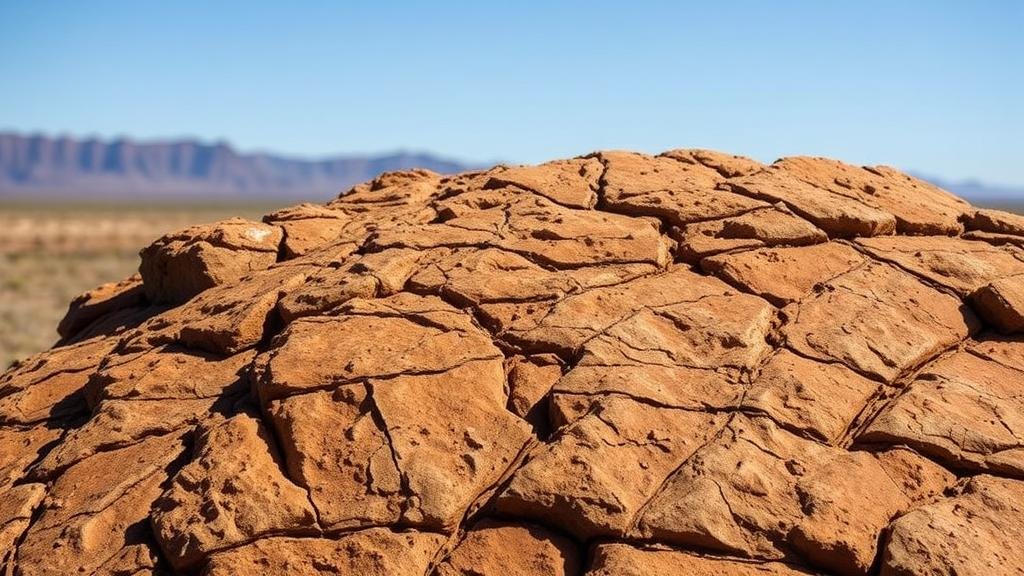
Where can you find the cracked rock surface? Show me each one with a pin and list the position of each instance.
(617, 364)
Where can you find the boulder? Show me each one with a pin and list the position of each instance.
(616, 364)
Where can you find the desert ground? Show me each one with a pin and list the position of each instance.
(51, 252)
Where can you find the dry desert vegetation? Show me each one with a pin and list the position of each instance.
(617, 364)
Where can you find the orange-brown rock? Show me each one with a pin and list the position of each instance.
(728, 165)
(627, 560)
(681, 192)
(616, 364)
(820, 399)
(373, 275)
(534, 227)
(572, 183)
(783, 275)
(21, 447)
(564, 325)
(136, 395)
(1001, 303)
(371, 552)
(118, 423)
(774, 226)
(964, 410)
(500, 283)
(51, 386)
(16, 508)
(996, 222)
(181, 265)
(93, 305)
(976, 532)
(167, 373)
(597, 473)
(959, 265)
(96, 515)
(307, 227)
(217, 502)
(223, 320)
(838, 215)
(354, 398)
(878, 321)
(391, 200)
(369, 340)
(917, 206)
(758, 491)
(514, 549)
(530, 379)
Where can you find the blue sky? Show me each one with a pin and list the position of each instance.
(931, 86)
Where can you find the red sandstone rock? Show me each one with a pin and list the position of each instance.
(20, 448)
(515, 549)
(775, 226)
(626, 560)
(99, 302)
(392, 200)
(616, 364)
(996, 222)
(572, 183)
(820, 399)
(918, 207)
(784, 275)
(758, 491)
(372, 552)
(597, 473)
(1001, 303)
(679, 192)
(959, 265)
(96, 514)
(215, 502)
(977, 532)
(963, 410)
(16, 510)
(51, 386)
(878, 321)
(181, 265)
(840, 216)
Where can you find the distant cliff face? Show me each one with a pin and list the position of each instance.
(44, 167)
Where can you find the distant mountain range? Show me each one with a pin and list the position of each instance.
(41, 167)
(977, 191)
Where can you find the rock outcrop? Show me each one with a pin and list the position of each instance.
(616, 364)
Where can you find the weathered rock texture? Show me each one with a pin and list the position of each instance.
(616, 364)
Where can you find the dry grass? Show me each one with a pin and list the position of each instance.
(50, 253)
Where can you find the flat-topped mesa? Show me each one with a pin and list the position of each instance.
(607, 365)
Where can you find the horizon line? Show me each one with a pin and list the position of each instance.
(403, 151)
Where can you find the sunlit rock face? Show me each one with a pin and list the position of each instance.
(689, 363)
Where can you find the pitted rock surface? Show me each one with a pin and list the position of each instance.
(617, 364)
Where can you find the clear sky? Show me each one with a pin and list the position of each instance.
(932, 86)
